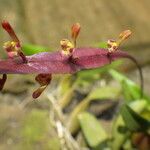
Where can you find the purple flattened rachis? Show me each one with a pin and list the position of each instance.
(68, 60)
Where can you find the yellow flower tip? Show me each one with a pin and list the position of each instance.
(7, 44)
(11, 48)
(112, 45)
(67, 46)
(11, 44)
(125, 34)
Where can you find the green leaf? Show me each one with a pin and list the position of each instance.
(29, 49)
(106, 92)
(133, 120)
(139, 105)
(93, 132)
(119, 137)
(73, 123)
(131, 90)
(96, 94)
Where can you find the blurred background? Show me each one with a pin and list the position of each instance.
(45, 23)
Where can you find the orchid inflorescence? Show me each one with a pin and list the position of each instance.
(69, 59)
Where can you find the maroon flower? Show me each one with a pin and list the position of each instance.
(68, 60)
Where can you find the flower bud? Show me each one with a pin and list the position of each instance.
(75, 29)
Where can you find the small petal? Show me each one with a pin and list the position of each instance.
(38, 92)
(43, 80)
(10, 31)
(75, 30)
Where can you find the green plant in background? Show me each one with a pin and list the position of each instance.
(130, 127)
(128, 118)
(94, 133)
(35, 131)
(131, 123)
(35, 126)
(122, 125)
(135, 114)
(30, 49)
(106, 92)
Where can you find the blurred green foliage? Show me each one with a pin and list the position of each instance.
(30, 49)
(35, 132)
(34, 127)
(125, 122)
(94, 133)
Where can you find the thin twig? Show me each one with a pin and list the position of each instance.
(66, 139)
